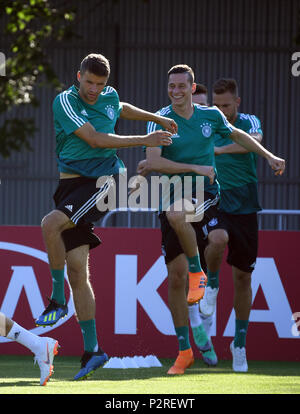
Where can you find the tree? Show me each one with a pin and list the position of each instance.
(30, 26)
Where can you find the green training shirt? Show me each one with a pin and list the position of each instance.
(74, 155)
(237, 172)
(194, 141)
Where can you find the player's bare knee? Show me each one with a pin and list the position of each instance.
(242, 279)
(50, 222)
(54, 221)
(218, 239)
(177, 280)
(77, 275)
(175, 218)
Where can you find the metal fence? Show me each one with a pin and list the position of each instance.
(281, 217)
(251, 41)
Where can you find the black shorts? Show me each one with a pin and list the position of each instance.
(242, 230)
(171, 247)
(78, 198)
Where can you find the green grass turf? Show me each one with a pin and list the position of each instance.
(18, 375)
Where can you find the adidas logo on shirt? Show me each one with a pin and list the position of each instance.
(84, 112)
(69, 207)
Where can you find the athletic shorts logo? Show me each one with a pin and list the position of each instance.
(206, 130)
(175, 136)
(213, 222)
(110, 112)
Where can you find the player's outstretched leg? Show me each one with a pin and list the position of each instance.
(43, 348)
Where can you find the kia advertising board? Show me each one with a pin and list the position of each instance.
(128, 274)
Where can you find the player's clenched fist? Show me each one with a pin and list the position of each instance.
(206, 170)
(158, 138)
(277, 164)
(169, 124)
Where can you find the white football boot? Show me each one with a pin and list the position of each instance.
(207, 304)
(44, 357)
(239, 360)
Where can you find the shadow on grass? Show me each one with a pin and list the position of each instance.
(22, 383)
(21, 367)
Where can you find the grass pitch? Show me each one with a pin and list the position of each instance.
(18, 375)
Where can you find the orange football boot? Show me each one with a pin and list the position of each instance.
(197, 283)
(184, 360)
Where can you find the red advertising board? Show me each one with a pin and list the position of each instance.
(129, 278)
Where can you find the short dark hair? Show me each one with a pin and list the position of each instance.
(182, 68)
(96, 64)
(225, 85)
(200, 89)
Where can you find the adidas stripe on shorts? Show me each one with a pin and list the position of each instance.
(78, 198)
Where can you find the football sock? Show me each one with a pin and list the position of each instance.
(24, 337)
(194, 315)
(241, 328)
(199, 335)
(213, 279)
(58, 285)
(194, 264)
(88, 330)
(182, 333)
(207, 322)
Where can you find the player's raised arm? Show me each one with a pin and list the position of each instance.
(242, 138)
(101, 140)
(131, 112)
(249, 143)
(236, 148)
